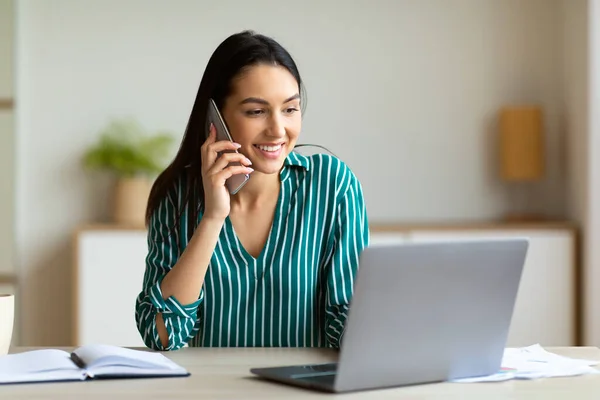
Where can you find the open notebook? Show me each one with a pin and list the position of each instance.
(94, 361)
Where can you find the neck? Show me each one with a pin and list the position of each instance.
(259, 189)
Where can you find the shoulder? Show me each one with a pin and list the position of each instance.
(173, 192)
(169, 201)
(328, 172)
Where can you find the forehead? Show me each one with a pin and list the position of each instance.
(272, 83)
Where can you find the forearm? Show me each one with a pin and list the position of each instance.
(184, 281)
(168, 329)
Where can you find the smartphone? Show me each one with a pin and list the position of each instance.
(235, 182)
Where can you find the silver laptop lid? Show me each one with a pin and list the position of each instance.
(427, 312)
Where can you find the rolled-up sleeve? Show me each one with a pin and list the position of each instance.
(181, 320)
(351, 237)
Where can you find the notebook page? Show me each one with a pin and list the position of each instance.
(100, 355)
(47, 376)
(37, 365)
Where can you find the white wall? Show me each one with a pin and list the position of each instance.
(592, 239)
(405, 91)
(575, 123)
(575, 103)
(7, 192)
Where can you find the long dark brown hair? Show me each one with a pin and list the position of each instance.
(231, 58)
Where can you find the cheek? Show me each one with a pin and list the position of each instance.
(242, 129)
(295, 127)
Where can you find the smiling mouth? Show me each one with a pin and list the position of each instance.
(269, 148)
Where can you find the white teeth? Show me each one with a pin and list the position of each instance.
(268, 148)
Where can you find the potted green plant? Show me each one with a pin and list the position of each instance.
(134, 157)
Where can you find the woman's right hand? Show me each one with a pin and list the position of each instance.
(215, 171)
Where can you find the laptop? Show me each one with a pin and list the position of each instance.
(421, 313)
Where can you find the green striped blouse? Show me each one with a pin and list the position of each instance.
(295, 294)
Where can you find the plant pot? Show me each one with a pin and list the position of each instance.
(130, 201)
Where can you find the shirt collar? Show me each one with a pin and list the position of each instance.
(293, 160)
(297, 160)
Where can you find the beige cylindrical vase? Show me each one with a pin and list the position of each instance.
(130, 201)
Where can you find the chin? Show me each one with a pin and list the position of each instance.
(269, 162)
(269, 168)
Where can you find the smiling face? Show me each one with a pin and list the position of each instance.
(263, 116)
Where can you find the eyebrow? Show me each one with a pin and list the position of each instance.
(263, 101)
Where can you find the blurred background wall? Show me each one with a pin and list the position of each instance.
(406, 92)
(7, 148)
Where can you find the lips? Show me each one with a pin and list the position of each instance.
(269, 148)
(270, 151)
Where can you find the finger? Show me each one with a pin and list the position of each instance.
(222, 145)
(222, 162)
(212, 132)
(210, 138)
(207, 160)
(220, 178)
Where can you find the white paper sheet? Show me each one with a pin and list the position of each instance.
(534, 362)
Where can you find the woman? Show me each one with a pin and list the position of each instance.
(272, 265)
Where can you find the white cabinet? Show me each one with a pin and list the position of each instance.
(545, 310)
(110, 265)
(388, 238)
(109, 271)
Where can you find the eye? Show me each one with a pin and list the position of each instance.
(291, 110)
(254, 113)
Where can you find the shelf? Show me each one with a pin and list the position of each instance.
(473, 226)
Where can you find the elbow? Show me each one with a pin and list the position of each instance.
(145, 320)
(155, 339)
(163, 330)
(159, 335)
(165, 341)
(152, 344)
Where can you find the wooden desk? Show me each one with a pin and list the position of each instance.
(223, 373)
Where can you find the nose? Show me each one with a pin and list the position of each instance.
(277, 126)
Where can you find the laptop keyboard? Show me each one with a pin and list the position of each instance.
(329, 367)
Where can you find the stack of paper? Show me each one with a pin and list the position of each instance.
(534, 362)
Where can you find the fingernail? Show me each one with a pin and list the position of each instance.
(211, 126)
(250, 169)
(248, 161)
(237, 145)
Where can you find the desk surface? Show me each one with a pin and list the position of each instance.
(223, 373)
